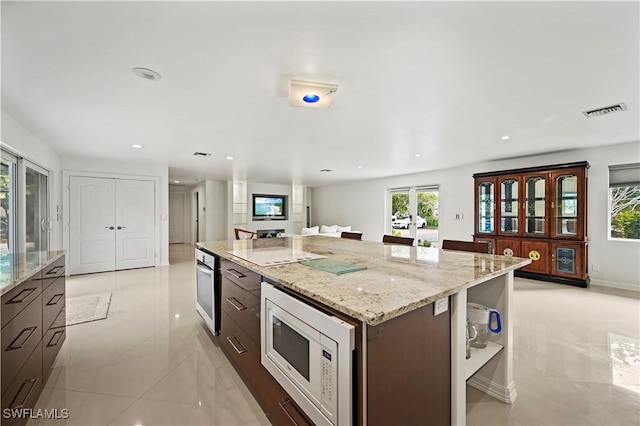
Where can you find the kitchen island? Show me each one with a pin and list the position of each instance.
(32, 286)
(411, 365)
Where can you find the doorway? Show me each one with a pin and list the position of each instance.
(111, 224)
(414, 213)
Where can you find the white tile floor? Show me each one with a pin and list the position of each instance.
(151, 362)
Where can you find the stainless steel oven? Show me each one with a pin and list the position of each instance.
(206, 292)
(310, 354)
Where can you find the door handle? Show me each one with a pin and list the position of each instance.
(109, 227)
(121, 227)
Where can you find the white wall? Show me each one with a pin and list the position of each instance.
(363, 205)
(159, 171)
(216, 210)
(19, 140)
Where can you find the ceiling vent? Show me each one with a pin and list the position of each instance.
(201, 154)
(605, 110)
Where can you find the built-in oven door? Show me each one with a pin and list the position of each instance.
(205, 289)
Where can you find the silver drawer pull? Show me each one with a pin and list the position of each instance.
(20, 297)
(236, 303)
(21, 339)
(54, 270)
(239, 351)
(57, 334)
(286, 403)
(237, 274)
(25, 390)
(57, 298)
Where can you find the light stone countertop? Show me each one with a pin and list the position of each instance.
(398, 279)
(15, 268)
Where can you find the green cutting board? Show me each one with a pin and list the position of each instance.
(333, 266)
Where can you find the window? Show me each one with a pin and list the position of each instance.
(624, 201)
(8, 165)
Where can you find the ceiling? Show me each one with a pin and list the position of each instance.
(445, 80)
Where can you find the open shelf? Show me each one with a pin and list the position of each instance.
(480, 357)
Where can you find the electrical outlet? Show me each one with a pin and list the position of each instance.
(440, 306)
(595, 267)
(457, 216)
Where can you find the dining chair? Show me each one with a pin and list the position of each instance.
(243, 234)
(351, 235)
(392, 239)
(478, 247)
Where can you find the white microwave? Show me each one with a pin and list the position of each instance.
(310, 354)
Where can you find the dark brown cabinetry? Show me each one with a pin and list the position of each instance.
(240, 340)
(540, 213)
(30, 340)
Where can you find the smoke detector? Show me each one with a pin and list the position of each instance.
(310, 94)
(605, 110)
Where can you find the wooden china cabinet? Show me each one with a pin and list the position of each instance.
(539, 213)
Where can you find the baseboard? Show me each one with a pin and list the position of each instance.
(614, 284)
(506, 394)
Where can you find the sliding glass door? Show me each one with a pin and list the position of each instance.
(24, 205)
(8, 166)
(37, 223)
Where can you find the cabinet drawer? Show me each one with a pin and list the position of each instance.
(14, 301)
(53, 300)
(25, 388)
(538, 252)
(246, 279)
(19, 338)
(243, 351)
(243, 307)
(52, 272)
(51, 344)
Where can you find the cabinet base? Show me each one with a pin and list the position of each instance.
(559, 280)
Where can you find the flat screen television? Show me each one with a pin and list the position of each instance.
(269, 207)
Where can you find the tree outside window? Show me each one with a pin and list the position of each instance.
(625, 212)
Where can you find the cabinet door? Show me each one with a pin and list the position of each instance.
(568, 259)
(485, 205)
(508, 247)
(509, 206)
(535, 190)
(538, 252)
(568, 204)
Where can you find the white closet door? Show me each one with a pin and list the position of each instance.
(91, 225)
(135, 223)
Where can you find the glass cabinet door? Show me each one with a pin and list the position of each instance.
(509, 206)
(566, 205)
(535, 205)
(486, 191)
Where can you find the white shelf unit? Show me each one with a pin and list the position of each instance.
(479, 357)
(490, 369)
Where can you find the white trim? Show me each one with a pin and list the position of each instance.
(613, 284)
(66, 176)
(506, 394)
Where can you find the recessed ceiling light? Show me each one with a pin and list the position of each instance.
(417, 155)
(146, 73)
(505, 137)
(359, 167)
(176, 181)
(229, 158)
(137, 146)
